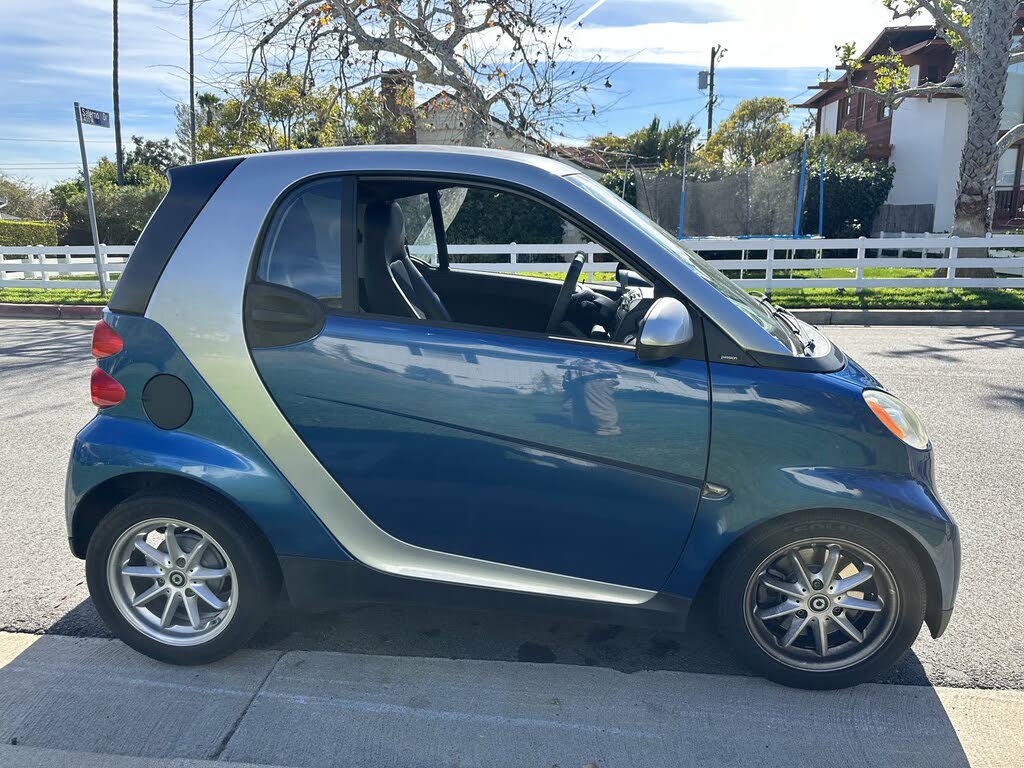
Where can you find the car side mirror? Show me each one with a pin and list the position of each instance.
(665, 330)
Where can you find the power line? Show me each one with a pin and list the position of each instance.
(53, 141)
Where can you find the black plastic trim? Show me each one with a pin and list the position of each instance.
(834, 361)
(327, 585)
(191, 188)
(276, 315)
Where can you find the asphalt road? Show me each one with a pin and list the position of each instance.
(965, 383)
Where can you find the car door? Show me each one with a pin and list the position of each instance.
(559, 455)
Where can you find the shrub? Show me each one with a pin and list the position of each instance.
(28, 233)
(496, 217)
(121, 213)
(614, 181)
(854, 192)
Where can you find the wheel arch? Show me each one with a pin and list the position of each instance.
(933, 610)
(99, 500)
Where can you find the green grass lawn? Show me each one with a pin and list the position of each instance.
(51, 296)
(794, 298)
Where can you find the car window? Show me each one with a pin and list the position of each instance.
(671, 246)
(419, 227)
(302, 248)
(502, 220)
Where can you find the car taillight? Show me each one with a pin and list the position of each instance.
(105, 341)
(105, 389)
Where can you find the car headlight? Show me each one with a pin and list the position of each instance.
(897, 418)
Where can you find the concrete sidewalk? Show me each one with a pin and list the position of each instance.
(76, 701)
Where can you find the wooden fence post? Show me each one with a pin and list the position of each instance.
(861, 251)
(41, 260)
(101, 267)
(954, 250)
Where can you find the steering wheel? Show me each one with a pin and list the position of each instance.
(572, 277)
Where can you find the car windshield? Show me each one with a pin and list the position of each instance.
(758, 311)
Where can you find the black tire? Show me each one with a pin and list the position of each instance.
(254, 565)
(749, 555)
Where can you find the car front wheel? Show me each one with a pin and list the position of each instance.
(821, 603)
(181, 579)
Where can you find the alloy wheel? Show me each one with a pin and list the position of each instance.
(172, 581)
(821, 605)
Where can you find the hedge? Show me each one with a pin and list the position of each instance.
(854, 193)
(16, 233)
(121, 213)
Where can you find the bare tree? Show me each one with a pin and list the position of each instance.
(981, 34)
(504, 59)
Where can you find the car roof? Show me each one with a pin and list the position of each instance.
(396, 157)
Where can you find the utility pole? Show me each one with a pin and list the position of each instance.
(716, 54)
(117, 109)
(192, 78)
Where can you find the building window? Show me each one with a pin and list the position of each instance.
(930, 75)
(884, 111)
(861, 109)
(844, 112)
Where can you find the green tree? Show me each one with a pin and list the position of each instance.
(756, 132)
(160, 154)
(121, 211)
(285, 111)
(649, 145)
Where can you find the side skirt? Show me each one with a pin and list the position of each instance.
(317, 585)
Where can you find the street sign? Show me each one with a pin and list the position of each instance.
(94, 117)
(102, 119)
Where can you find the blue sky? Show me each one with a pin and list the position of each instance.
(58, 53)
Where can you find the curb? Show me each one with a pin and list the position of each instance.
(966, 317)
(52, 311)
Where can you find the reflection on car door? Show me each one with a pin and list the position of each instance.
(562, 456)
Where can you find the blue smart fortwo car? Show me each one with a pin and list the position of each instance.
(313, 383)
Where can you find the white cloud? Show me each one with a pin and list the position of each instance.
(764, 33)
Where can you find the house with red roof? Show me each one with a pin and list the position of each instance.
(924, 138)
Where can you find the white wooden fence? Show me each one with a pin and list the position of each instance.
(764, 263)
(44, 266)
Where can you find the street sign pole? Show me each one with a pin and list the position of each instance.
(89, 202)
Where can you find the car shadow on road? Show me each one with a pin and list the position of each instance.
(460, 633)
(46, 343)
(963, 340)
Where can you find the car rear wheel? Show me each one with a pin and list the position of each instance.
(185, 580)
(821, 603)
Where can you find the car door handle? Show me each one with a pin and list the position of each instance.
(279, 316)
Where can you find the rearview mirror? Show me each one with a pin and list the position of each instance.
(665, 331)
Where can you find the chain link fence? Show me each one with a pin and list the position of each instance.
(748, 202)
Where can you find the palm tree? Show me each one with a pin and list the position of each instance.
(117, 110)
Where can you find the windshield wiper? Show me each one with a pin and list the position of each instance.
(788, 319)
